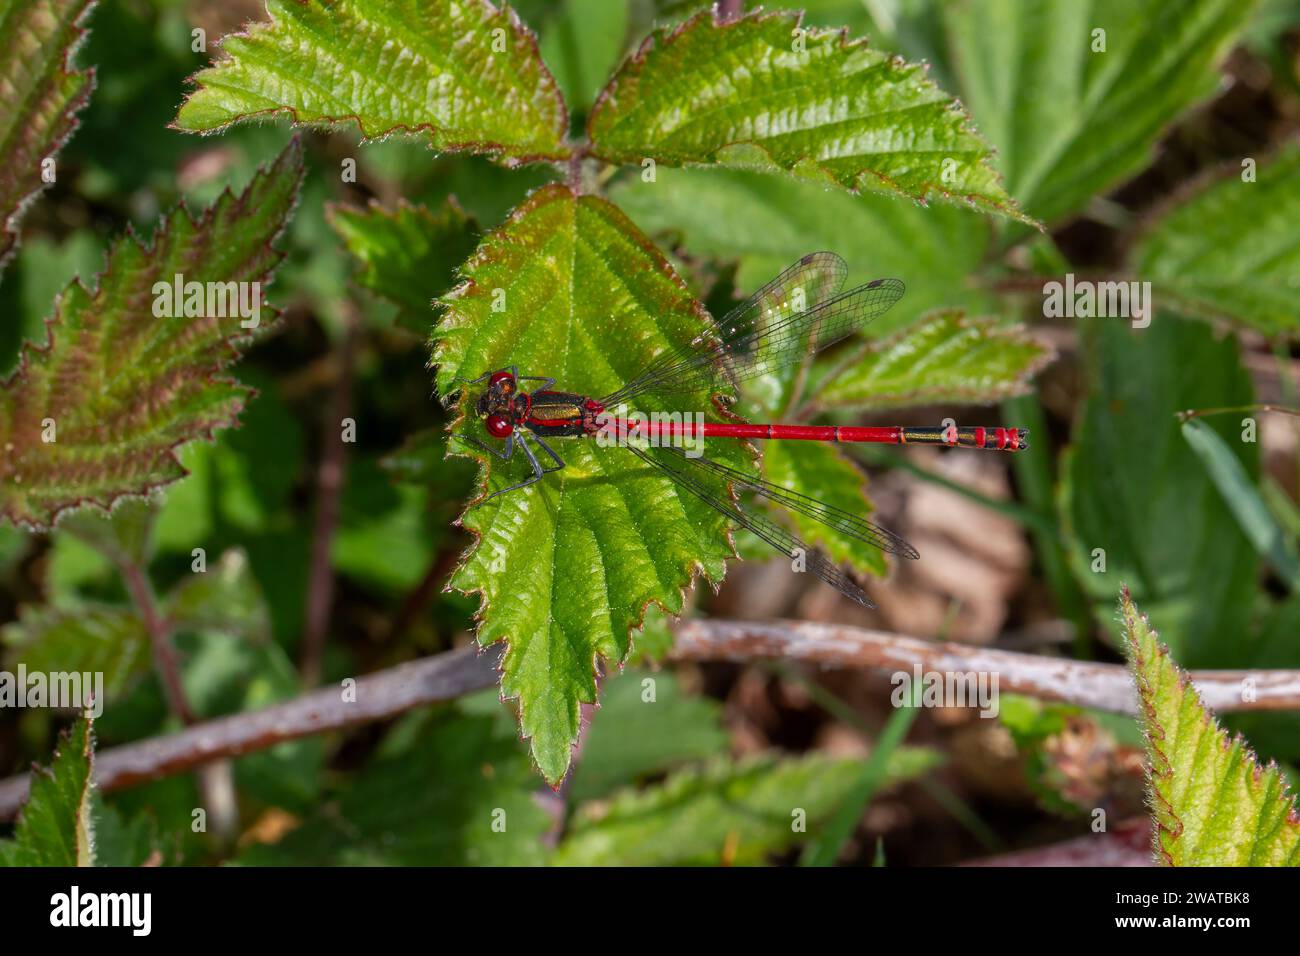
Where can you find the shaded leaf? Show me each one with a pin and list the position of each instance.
(1137, 506)
(767, 222)
(1212, 802)
(565, 568)
(408, 255)
(122, 388)
(124, 536)
(80, 638)
(944, 358)
(632, 735)
(1241, 496)
(463, 75)
(762, 92)
(821, 471)
(582, 44)
(735, 812)
(55, 826)
(1232, 249)
(1070, 121)
(42, 96)
(226, 597)
(431, 804)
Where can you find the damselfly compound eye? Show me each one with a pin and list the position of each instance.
(502, 376)
(498, 426)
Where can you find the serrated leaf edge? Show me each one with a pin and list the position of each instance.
(496, 151)
(808, 167)
(695, 570)
(231, 345)
(10, 229)
(980, 323)
(1167, 821)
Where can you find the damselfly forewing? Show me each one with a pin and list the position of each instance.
(795, 315)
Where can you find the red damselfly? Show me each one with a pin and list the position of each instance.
(796, 314)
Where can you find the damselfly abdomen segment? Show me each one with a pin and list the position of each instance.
(799, 312)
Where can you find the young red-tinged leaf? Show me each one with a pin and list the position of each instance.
(461, 73)
(569, 288)
(99, 410)
(943, 358)
(408, 255)
(1213, 804)
(55, 825)
(764, 92)
(42, 95)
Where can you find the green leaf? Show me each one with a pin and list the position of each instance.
(1135, 502)
(81, 638)
(422, 459)
(767, 222)
(737, 812)
(1069, 122)
(385, 537)
(1232, 250)
(433, 803)
(822, 471)
(762, 92)
(124, 536)
(1213, 803)
(565, 568)
(118, 388)
(42, 96)
(944, 358)
(55, 825)
(582, 44)
(409, 255)
(225, 598)
(464, 75)
(645, 725)
(119, 842)
(1241, 496)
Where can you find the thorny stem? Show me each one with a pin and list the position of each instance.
(393, 691)
(160, 638)
(329, 486)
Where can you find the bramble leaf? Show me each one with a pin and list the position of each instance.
(1136, 504)
(945, 357)
(1211, 801)
(646, 724)
(763, 92)
(409, 255)
(55, 824)
(226, 597)
(42, 96)
(1231, 250)
(99, 411)
(566, 567)
(732, 812)
(460, 794)
(463, 75)
(768, 222)
(1075, 95)
(81, 638)
(822, 471)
